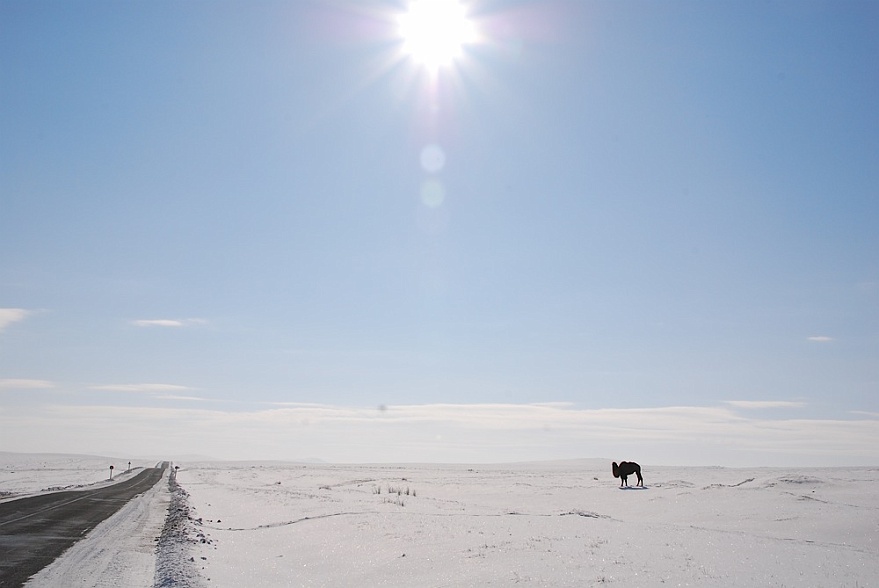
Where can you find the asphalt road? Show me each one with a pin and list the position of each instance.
(35, 530)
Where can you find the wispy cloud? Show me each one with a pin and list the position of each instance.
(866, 413)
(179, 397)
(173, 323)
(12, 315)
(142, 388)
(13, 384)
(758, 404)
(172, 392)
(681, 435)
(820, 339)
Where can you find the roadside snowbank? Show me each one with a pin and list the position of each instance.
(174, 565)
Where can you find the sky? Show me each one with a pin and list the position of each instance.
(637, 230)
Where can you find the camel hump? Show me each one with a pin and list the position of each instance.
(625, 468)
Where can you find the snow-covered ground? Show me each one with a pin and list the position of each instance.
(541, 524)
(549, 524)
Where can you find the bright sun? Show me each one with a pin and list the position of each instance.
(435, 31)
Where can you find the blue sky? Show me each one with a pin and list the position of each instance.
(644, 230)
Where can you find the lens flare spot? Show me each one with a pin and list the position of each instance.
(433, 158)
(432, 193)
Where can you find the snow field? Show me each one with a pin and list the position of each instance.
(556, 524)
(544, 524)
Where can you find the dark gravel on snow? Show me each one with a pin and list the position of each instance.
(174, 563)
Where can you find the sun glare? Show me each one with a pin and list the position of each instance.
(434, 32)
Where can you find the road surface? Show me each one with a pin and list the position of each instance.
(37, 529)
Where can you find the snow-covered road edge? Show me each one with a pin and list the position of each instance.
(175, 565)
(147, 544)
(120, 551)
